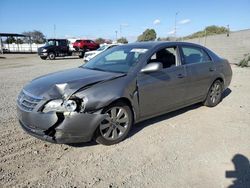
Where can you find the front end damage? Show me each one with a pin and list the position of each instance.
(70, 127)
(57, 126)
(65, 112)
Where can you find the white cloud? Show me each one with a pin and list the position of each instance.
(171, 32)
(124, 25)
(157, 22)
(185, 21)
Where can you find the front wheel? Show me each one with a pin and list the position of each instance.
(52, 56)
(116, 126)
(214, 95)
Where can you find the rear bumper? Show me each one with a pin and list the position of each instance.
(60, 128)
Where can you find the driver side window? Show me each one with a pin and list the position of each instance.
(166, 56)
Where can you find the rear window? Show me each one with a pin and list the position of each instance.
(194, 55)
(78, 40)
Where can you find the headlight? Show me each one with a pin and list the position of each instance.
(59, 105)
(70, 105)
(44, 50)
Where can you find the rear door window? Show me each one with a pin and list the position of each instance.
(63, 43)
(194, 55)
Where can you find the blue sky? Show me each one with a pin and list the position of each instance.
(96, 18)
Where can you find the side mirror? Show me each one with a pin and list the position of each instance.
(152, 67)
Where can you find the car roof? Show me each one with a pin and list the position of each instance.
(152, 44)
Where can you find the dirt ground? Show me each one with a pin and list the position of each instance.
(193, 147)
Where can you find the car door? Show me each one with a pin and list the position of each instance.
(63, 45)
(200, 69)
(163, 90)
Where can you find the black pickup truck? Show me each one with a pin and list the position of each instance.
(57, 48)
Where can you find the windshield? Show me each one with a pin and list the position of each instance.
(50, 43)
(102, 48)
(119, 59)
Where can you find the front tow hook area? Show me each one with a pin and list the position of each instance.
(75, 126)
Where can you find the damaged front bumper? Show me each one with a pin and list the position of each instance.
(61, 128)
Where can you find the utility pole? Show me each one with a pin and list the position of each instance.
(1, 47)
(120, 30)
(116, 35)
(175, 22)
(54, 30)
(228, 30)
(205, 37)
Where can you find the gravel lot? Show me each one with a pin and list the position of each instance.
(192, 147)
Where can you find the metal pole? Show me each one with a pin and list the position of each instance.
(120, 31)
(8, 43)
(228, 30)
(205, 37)
(18, 50)
(1, 47)
(175, 20)
(30, 44)
(116, 36)
(54, 30)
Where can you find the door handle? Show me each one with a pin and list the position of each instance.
(180, 76)
(211, 69)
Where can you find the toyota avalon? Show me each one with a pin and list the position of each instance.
(120, 87)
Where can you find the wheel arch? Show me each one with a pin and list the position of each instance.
(127, 102)
(122, 100)
(220, 79)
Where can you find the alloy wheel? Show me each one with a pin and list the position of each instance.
(116, 124)
(215, 92)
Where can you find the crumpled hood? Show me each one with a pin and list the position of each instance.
(66, 82)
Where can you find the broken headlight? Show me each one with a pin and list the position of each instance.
(59, 105)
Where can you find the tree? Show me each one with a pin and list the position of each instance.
(122, 40)
(36, 36)
(10, 40)
(19, 41)
(100, 40)
(209, 30)
(147, 35)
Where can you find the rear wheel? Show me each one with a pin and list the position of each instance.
(52, 56)
(116, 126)
(214, 95)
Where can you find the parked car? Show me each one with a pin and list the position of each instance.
(103, 98)
(91, 54)
(57, 48)
(85, 45)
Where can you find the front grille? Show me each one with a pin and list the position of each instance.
(27, 102)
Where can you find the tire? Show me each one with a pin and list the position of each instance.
(52, 56)
(116, 126)
(82, 54)
(43, 58)
(85, 49)
(214, 95)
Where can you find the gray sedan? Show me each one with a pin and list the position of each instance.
(103, 98)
